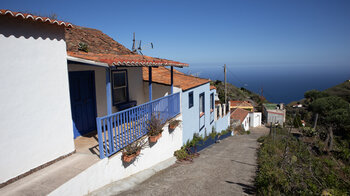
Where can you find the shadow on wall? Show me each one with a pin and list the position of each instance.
(28, 28)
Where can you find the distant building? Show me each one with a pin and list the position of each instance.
(274, 113)
(241, 104)
(297, 106)
(255, 119)
(242, 117)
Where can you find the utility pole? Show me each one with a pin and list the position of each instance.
(225, 85)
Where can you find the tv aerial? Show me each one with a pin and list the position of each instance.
(140, 48)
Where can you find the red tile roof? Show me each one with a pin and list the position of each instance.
(240, 103)
(161, 75)
(103, 48)
(34, 18)
(212, 87)
(239, 114)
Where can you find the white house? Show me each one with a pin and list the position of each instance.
(197, 102)
(36, 125)
(241, 116)
(67, 88)
(255, 119)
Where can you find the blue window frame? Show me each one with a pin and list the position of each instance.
(120, 89)
(211, 102)
(190, 99)
(201, 104)
(201, 111)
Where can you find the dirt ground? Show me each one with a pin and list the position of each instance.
(225, 168)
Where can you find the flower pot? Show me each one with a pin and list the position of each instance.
(172, 127)
(154, 139)
(129, 158)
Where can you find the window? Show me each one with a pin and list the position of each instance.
(190, 99)
(120, 87)
(201, 104)
(212, 102)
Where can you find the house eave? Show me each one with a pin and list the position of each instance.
(84, 61)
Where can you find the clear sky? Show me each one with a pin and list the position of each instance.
(241, 32)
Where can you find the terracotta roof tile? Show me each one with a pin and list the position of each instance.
(103, 48)
(239, 114)
(240, 103)
(34, 18)
(162, 75)
(212, 87)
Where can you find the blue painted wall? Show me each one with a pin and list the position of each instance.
(190, 116)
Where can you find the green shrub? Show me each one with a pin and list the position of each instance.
(288, 166)
(309, 132)
(82, 46)
(181, 154)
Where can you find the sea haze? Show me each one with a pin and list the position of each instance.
(280, 83)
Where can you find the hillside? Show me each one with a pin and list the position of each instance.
(341, 90)
(235, 93)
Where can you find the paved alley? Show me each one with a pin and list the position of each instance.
(225, 168)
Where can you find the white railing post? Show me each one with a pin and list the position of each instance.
(224, 109)
(220, 111)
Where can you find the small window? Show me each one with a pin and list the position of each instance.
(211, 102)
(201, 104)
(190, 99)
(120, 87)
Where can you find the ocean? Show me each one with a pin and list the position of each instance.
(280, 84)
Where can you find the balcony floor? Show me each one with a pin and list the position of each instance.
(87, 144)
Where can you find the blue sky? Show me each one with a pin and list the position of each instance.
(241, 32)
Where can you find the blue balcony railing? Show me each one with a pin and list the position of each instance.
(120, 129)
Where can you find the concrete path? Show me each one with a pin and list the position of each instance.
(226, 168)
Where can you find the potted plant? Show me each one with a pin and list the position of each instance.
(131, 151)
(173, 124)
(155, 129)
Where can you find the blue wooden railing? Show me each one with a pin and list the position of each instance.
(120, 129)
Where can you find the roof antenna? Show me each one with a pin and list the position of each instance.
(133, 43)
(140, 48)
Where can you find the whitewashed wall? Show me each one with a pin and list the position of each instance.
(135, 81)
(158, 90)
(36, 123)
(112, 169)
(255, 119)
(245, 123)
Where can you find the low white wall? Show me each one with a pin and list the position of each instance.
(222, 123)
(36, 122)
(112, 169)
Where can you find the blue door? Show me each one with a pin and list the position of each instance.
(83, 102)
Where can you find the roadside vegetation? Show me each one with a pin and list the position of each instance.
(308, 160)
(186, 153)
